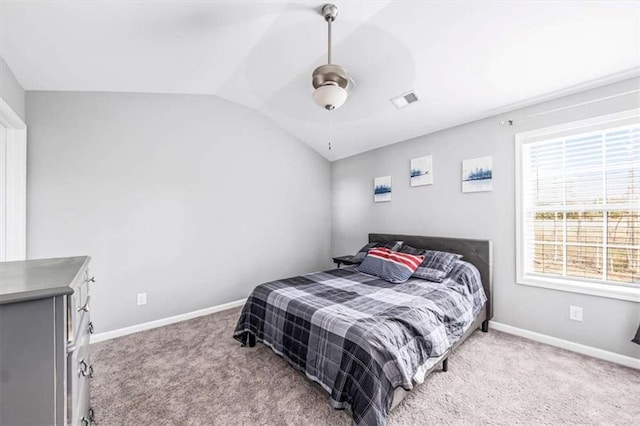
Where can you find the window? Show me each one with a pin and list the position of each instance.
(578, 206)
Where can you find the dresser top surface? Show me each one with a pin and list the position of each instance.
(38, 279)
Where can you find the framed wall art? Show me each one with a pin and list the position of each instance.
(382, 189)
(422, 171)
(477, 174)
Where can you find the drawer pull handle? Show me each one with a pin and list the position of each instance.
(85, 307)
(92, 415)
(90, 327)
(91, 280)
(84, 421)
(86, 370)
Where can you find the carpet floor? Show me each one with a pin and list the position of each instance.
(195, 373)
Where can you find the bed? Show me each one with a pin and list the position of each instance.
(365, 341)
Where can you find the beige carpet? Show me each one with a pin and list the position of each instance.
(195, 373)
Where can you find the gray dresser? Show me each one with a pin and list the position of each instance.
(45, 365)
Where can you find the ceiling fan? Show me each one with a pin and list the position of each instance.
(330, 81)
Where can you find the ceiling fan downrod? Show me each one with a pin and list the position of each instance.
(330, 81)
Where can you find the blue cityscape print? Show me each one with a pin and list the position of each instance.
(381, 189)
(421, 171)
(478, 173)
(418, 173)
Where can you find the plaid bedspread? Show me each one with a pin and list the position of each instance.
(358, 336)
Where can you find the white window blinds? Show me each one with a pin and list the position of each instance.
(580, 205)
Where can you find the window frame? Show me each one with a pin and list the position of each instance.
(623, 291)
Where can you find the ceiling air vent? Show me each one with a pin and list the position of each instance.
(405, 99)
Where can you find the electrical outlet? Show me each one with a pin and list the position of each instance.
(575, 313)
(142, 299)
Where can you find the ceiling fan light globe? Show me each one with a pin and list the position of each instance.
(330, 96)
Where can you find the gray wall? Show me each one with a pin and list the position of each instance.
(443, 210)
(192, 199)
(11, 91)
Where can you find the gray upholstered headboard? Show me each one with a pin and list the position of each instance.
(477, 252)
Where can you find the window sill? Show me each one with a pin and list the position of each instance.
(603, 290)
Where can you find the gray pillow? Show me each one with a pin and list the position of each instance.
(391, 245)
(436, 264)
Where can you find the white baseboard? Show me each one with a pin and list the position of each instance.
(625, 360)
(101, 337)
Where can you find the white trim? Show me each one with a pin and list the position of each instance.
(542, 338)
(568, 91)
(593, 124)
(9, 118)
(558, 94)
(562, 283)
(16, 194)
(519, 140)
(3, 192)
(621, 292)
(13, 185)
(108, 335)
(625, 360)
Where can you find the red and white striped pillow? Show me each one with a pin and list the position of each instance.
(390, 265)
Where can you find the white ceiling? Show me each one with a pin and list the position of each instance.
(466, 60)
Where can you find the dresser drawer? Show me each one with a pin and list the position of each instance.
(79, 373)
(80, 288)
(78, 302)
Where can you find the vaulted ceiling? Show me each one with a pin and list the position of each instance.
(466, 60)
